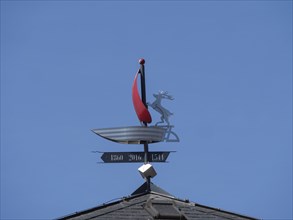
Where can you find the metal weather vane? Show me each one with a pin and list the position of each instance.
(143, 134)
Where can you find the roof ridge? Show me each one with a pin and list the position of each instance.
(153, 188)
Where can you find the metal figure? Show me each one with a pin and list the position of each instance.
(157, 106)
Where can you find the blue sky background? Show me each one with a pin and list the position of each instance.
(68, 66)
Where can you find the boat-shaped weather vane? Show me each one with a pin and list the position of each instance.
(144, 134)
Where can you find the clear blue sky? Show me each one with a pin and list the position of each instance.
(68, 66)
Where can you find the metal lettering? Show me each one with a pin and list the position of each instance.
(157, 157)
(115, 157)
(135, 157)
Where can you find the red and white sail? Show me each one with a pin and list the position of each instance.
(142, 112)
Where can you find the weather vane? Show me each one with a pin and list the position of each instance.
(144, 134)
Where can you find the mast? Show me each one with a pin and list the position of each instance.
(143, 97)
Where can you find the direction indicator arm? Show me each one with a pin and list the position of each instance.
(134, 157)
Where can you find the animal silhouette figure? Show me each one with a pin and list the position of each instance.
(157, 106)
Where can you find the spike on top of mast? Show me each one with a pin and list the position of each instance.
(141, 61)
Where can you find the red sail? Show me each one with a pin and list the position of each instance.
(140, 109)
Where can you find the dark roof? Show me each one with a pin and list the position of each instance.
(156, 204)
(154, 188)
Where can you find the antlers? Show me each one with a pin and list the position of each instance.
(164, 94)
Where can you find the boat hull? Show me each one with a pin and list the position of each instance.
(133, 134)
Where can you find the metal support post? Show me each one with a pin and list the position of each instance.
(143, 97)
